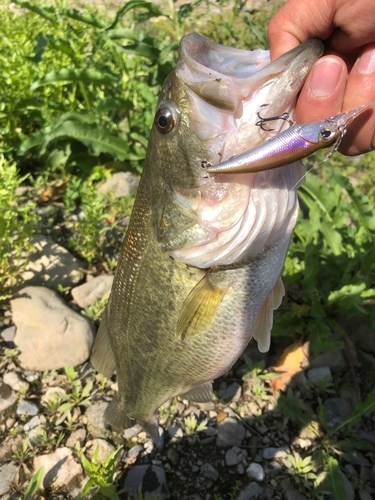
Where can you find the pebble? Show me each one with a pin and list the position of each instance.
(233, 456)
(27, 407)
(335, 360)
(32, 423)
(180, 408)
(49, 335)
(290, 493)
(132, 431)
(365, 495)
(209, 472)
(16, 382)
(135, 450)
(349, 490)
(173, 456)
(96, 423)
(8, 335)
(105, 449)
(8, 474)
(50, 264)
(318, 375)
(251, 491)
(6, 397)
(121, 184)
(210, 431)
(153, 482)
(60, 469)
(232, 393)
(149, 447)
(78, 436)
(337, 411)
(175, 432)
(270, 453)
(7, 444)
(53, 393)
(231, 433)
(255, 471)
(91, 291)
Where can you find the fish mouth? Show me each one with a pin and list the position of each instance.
(226, 86)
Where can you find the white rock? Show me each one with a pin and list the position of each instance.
(16, 382)
(93, 290)
(61, 466)
(270, 453)
(51, 265)
(77, 436)
(49, 334)
(52, 393)
(255, 471)
(96, 423)
(320, 374)
(105, 449)
(8, 474)
(32, 424)
(121, 183)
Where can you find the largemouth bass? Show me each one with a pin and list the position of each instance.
(199, 271)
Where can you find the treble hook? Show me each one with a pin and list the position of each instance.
(262, 121)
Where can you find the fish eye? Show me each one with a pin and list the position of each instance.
(326, 134)
(164, 120)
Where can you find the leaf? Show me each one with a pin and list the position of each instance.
(360, 409)
(321, 337)
(288, 365)
(87, 389)
(334, 479)
(37, 10)
(87, 487)
(122, 34)
(332, 237)
(295, 410)
(134, 4)
(75, 75)
(34, 484)
(112, 458)
(86, 18)
(97, 138)
(141, 49)
(347, 291)
(186, 9)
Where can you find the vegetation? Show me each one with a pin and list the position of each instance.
(78, 91)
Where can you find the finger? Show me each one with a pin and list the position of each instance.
(296, 22)
(360, 89)
(323, 93)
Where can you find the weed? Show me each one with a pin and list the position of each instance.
(22, 455)
(34, 485)
(190, 425)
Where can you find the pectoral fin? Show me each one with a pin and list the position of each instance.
(102, 357)
(202, 394)
(200, 308)
(265, 320)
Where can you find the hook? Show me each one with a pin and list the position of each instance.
(262, 121)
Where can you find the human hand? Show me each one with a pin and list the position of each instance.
(344, 78)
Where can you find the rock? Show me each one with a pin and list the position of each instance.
(60, 465)
(175, 431)
(77, 436)
(132, 431)
(88, 293)
(180, 408)
(209, 472)
(105, 449)
(8, 335)
(290, 493)
(8, 473)
(337, 411)
(270, 453)
(136, 450)
(6, 397)
(32, 424)
(49, 335)
(16, 382)
(364, 495)
(27, 407)
(335, 360)
(233, 456)
(96, 423)
(122, 183)
(53, 393)
(232, 393)
(149, 447)
(50, 265)
(7, 444)
(320, 374)
(173, 456)
(255, 471)
(211, 431)
(231, 433)
(252, 490)
(153, 482)
(349, 490)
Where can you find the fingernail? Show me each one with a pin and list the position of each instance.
(366, 63)
(325, 77)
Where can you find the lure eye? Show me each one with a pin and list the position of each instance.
(164, 120)
(326, 135)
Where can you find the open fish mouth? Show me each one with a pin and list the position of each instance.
(240, 214)
(228, 85)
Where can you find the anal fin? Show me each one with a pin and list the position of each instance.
(202, 394)
(102, 357)
(265, 320)
(116, 415)
(199, 310)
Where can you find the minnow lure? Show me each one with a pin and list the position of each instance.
(291, 145)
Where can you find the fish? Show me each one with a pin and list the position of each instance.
(293, 144)
(199, 271)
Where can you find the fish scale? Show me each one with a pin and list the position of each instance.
(197, 279)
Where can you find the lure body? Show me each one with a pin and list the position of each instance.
(293, 144)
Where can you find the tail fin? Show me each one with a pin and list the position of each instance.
(116, 415)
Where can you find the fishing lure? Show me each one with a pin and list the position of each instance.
(293, 144)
